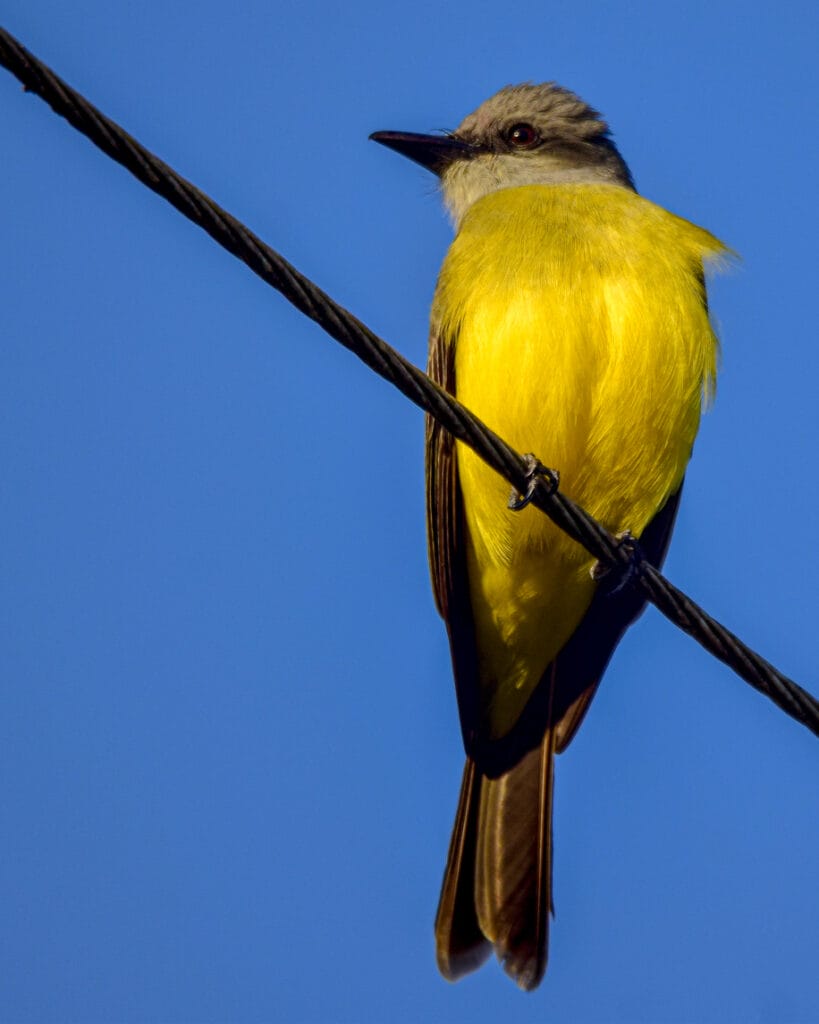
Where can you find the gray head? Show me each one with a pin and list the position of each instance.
(523, 135)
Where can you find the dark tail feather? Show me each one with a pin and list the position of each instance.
(513, 875)
(460, 944)
(498, 879)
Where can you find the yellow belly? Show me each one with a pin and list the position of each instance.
(582, 336)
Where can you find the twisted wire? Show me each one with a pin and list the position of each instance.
(412, 382)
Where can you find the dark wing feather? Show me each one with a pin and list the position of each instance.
(445, 539)
(443, 499)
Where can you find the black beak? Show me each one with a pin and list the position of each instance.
(435, 152)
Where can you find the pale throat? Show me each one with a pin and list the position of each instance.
(467, 181)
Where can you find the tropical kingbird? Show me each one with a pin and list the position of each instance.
(570, 315)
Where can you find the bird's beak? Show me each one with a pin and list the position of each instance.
(435, 152)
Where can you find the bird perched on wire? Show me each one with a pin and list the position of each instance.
(570, 315)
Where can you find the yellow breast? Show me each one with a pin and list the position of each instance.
(581, 335)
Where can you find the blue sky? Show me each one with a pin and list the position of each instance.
(229, 751)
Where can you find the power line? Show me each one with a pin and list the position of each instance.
(379, 356)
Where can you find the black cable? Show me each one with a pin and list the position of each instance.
(379, 356)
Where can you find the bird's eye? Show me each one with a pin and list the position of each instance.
(522, 136)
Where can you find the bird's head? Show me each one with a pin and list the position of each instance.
(523, 135)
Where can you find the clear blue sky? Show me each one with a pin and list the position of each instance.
(229, 751)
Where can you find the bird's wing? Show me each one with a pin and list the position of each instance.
(446, 542)
(444, 516)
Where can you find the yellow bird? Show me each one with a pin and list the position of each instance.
(570, 315)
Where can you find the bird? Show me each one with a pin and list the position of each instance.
(570, 315)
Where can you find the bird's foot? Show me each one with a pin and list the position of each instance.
(534, 469)
(626, 574)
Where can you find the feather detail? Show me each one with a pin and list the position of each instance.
(513, 876)
(460, 945)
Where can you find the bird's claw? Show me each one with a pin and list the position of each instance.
(534, 470)
(624, 575)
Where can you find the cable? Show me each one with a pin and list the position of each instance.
(412, 382)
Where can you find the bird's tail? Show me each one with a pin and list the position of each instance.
(498, 880)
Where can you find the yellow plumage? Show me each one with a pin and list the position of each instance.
(582, 336)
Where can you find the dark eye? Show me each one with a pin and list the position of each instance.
(522, 136)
